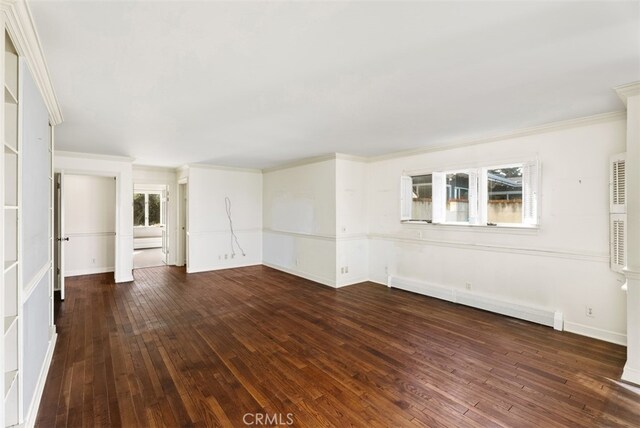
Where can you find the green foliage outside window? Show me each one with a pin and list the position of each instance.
(138, 209)
(147, 208)
(154, 209)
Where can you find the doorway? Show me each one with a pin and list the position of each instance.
(150, 230)
(183, 225)
(84, 226)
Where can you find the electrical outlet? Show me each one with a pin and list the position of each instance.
(233, 256)
(467, 285)
(346, 269)
(93, 261)
(342, 270)
(589, 311)
(297, 261)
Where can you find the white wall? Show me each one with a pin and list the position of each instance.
(109, 166)
(146, 232)
(300, 220)
(352, 258)
(89, 223)
(330, 214)
(564, 265)
(209, 236)
(315, 220)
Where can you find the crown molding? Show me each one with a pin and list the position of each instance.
(301, 162)
(316, 159)
(540, 129)
(62, 153)
(628, 90)
(153, 168)
(352, 158)
(221, 168)
(554, 126)
(22, 30)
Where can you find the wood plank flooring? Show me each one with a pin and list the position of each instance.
(208, 349)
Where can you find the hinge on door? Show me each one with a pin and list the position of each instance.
(58, 271)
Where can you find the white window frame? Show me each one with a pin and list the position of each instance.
(451, 192)
(485, 187)
(479, 195)
(146, 194)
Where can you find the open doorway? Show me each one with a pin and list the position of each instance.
(182, 258)
(84, 226)
(150, 232)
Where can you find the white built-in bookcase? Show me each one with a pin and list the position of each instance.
(12, 197)
(27, 116)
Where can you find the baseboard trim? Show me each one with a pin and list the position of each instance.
(88, 271)
(384, 282)
(213, 268)
(310, 277)
(352, 282)
(539, 315)
(631, 374)
(596, 333)
(32, 414)
(126, 278)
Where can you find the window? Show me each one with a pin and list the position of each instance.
(503, 195)
(139, 204)
(147, 209)
(457, 208)
(504, 192)
(153, 212)
(421, 196)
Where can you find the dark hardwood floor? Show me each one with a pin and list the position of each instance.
(206, 349)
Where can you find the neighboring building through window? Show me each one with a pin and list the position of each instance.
(421, 208)
(498, 195)
(457, 208)
(504, 191)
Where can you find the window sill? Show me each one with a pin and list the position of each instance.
(499, 228)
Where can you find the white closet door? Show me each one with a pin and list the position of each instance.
(60, 235)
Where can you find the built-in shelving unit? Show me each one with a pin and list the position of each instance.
(29, 113)
(11, 197)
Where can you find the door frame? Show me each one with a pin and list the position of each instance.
(58, 225)
(164, 189)
(182, 247)
(116, 175)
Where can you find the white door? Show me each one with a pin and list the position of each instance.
(182, 225)
(165, 223)
(59, 234)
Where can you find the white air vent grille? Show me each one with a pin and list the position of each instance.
(619, 184)
(617, 212)
(618, 240)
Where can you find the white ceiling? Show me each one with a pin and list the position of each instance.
(255, 84)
